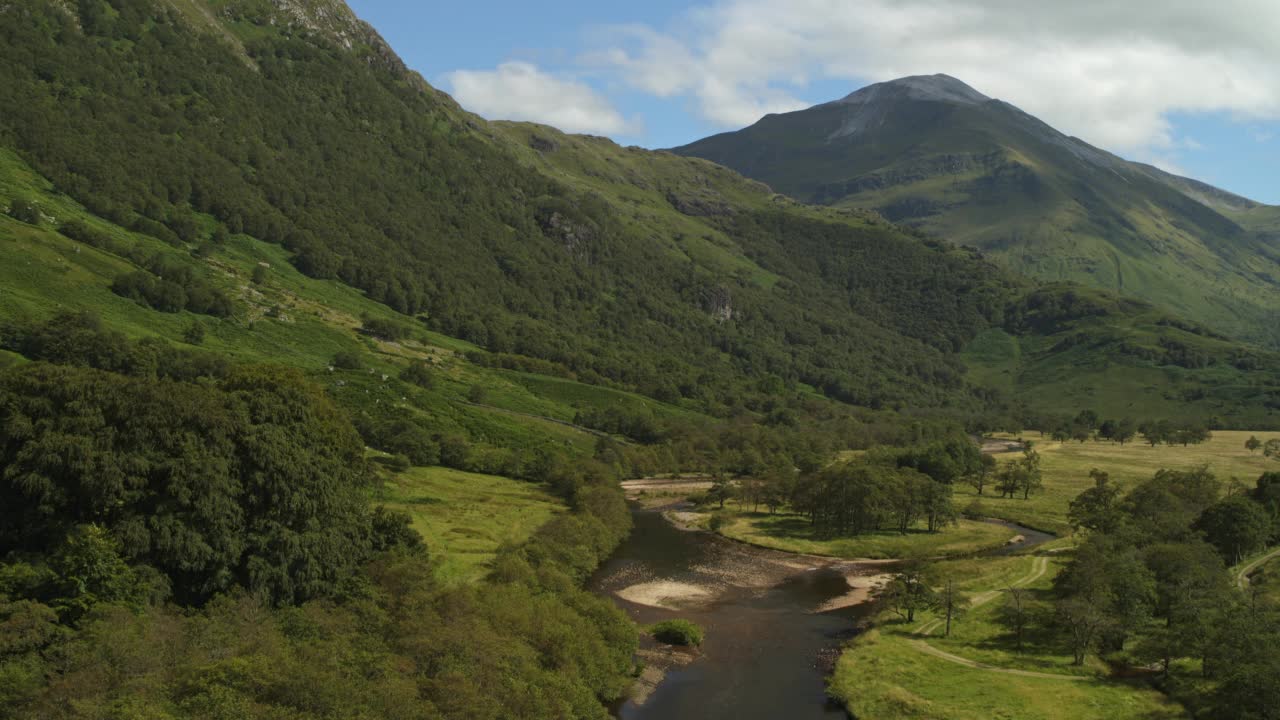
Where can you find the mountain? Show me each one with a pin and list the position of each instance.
(293, 124)
(934, 153)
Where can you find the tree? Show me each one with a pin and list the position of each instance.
(1030, 478)
(937, 504)
(721, 488)
(779, 485)
(194, 334)
(1083, 621)
(1107, 430)
(1236, 526)
(477, 394)
(1097, 508)
(1015, 614)
(753, 491)
(259, 276)
(1010, 479)
(1124, 431)
(985, 472)
(908, 592)
(1155, 433)
(1272, 449)
(952, 602)
(1252, 444)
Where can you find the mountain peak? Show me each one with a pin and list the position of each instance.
(938, 88)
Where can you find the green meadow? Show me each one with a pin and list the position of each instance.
(465, 517)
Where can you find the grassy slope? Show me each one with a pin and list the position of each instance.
(1056, 373)
(1066, 469)
(883, 675)
(295, 320)
(465, 517)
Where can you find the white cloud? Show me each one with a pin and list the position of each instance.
(1109, 72)
(520, 91)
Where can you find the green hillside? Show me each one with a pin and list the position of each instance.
(935, 154)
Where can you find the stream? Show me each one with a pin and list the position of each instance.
(774, 621)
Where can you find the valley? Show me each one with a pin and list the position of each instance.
(322, 397)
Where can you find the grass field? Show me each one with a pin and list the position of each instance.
(792, 533)
(885, 673)
(1066, 472)
(465, 517)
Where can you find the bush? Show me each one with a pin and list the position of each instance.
(25, 211)
(194, 334)
(385, 329)
(716, 522)
(347, 360)
(419, 373)
(677, 632)
(81, 232)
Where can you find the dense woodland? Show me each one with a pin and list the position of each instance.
(186, 538)
(1149, 583)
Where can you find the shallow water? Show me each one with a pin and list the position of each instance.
(765, 636)
(760, 658)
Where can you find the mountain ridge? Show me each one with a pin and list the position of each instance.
(980, 171)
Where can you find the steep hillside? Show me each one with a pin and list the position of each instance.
(934, 153)
(291, 127)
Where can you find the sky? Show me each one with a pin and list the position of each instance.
(1190, 86)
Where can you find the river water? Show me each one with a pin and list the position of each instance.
(760, 611)
(773, 621)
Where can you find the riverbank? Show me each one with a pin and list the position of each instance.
(793, 534)
(902, 670)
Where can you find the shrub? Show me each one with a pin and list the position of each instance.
(716, 522)
(677, 632)
(385, 329)
(347, 360)
(194, 334)
(25, 211)
(418, 373)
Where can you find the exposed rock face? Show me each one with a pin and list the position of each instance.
(869, 108)
(718, 302)
(577, 238)
(542, 144)
(700, 204)
(333, 19)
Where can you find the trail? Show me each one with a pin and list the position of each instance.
(1038, 568)
(1242, 577)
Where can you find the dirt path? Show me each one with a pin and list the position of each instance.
(1038, 568)
(1242, 577)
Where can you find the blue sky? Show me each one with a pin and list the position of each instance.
(1192, 87)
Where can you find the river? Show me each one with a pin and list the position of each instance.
(773, 621)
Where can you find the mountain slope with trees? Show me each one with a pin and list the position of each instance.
(931, 152)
